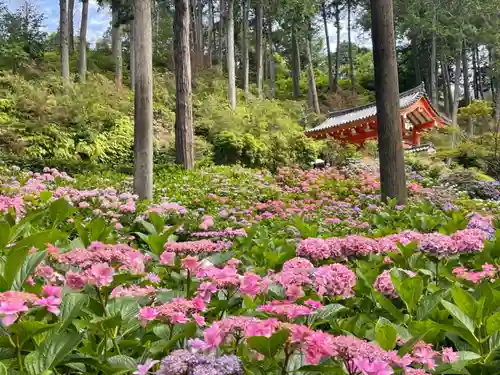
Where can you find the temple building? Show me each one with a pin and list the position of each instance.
(359, 124)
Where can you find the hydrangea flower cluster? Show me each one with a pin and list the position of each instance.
(335, 280)
(440, 245)
(183, 362)
(489, 272)
(357, 354)
(121, 256)
(196, 247)
(226, 233)
(383, 283)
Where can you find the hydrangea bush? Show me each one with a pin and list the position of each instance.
(319, 278)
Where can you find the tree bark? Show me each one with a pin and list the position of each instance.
(210, 32)
(231, 69)
(116, 42)
(337, 55)
(244, 47)
(446, 89)
(434, 90)
(71, 28)
(416, 65)
(479, 75)
(390, 140)
(351, 60)
(184, 138)
(259, 55)
(328, 49)
(456, 98)
(272, 62)
(467, 96)
(313, 94)
(143, 106)
(82, 58)
(295, 64)
(222, 12)
(199, 29)
(63, 27)
(132, 55)
(474, 72)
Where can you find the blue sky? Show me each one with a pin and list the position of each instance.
(98, 17)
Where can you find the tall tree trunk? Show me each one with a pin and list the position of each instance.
(351, 60)
(132, 55)
(116, 42)
(259, 55)
(272, 62)
(71, 28)
(143, 116)
(416, 65)
(434, 90)
(184, 138)
(82, 59)
(467, 96)
(63, 27)
(448, 100)
(210, 33)
(222, 22)
(337, 54)
(295, 64)
(446, 87)
(479, 75)
(456, 98)
(474, 71)
(199, 29)
(492, 77)
(313, 94)
(328, 49)
(231, 68)
(244, 47)
(390, 140)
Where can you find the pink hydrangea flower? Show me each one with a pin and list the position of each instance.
(10, 310)
(167, 258)
(200, 320)
(147, 314)
(190, 263)
(212, 336)
(100, 275)
(51, 303)
(376, 367)
(449, 356)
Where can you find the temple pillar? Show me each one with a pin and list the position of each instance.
(415, 137)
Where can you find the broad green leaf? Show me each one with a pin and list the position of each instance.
(157, 221)
(493, 323)
(385, 334)
(269, 347)
(51, 352)
(29, 266)
(219, 258)
(410, 291)
(13, 264)
(3, 369)
(389, 306)
(468, 356)
(459, 315)
(71, 306)
(125, 307)
(325, 313)
(464, 301)
(428, 303)
(5, 234)
(121, 364)
(29, 329)
(58, 210)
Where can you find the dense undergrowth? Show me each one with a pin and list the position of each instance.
(41, 119)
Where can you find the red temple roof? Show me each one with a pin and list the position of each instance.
(360, 123)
